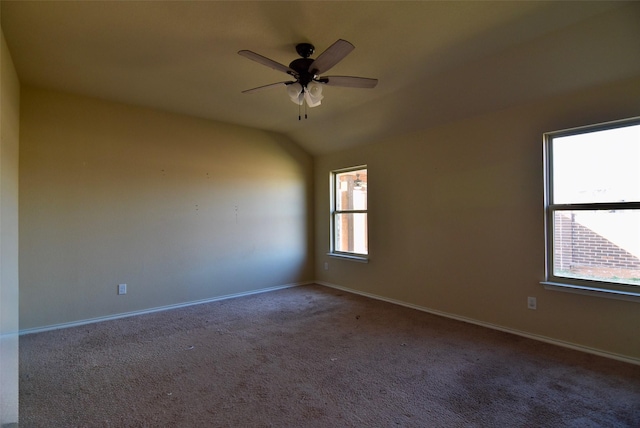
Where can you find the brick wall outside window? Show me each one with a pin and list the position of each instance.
(579, 246)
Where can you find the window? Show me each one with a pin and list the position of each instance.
(349, 213)
(592, 200)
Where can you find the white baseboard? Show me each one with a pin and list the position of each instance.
(545, 339)
(158, 309)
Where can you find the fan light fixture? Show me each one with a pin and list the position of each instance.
(308, 84)
(312, 93)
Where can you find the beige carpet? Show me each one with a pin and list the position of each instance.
(313, 357)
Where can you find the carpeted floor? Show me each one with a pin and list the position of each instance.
(313, 357)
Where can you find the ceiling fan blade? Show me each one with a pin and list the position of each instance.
(265, 61)
(333, 55)
(262, 88)
(349, 81)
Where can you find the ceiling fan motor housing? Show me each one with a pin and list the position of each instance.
(301, 67)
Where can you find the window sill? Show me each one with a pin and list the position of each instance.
(351, 257)
(591, 291)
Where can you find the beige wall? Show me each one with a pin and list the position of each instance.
(456, 222)
(180, 209)
(9, 136)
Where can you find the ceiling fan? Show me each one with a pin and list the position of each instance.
(308, 84)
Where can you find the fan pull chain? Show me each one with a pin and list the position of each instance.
(300, 111)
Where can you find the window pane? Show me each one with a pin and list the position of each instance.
(351, 233)
(351, 190)
(599, 166)
(597, 245)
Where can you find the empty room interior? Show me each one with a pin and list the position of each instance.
(142, 174)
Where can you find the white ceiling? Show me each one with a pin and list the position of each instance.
(435, 61)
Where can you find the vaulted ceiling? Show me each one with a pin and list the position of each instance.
(435, 61)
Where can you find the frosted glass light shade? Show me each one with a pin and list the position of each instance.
(295, 93)
(313, 94)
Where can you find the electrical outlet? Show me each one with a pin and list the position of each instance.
(122, 288)
(326, 265)
(532, 303)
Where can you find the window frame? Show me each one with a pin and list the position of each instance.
(582, 286)
(334, 212)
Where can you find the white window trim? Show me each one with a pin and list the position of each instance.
(356, 257)
(596, 288)
(349, 256)
(591, 291)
